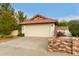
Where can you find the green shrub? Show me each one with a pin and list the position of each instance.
(74, 27)
(6, 36)
(63, 23)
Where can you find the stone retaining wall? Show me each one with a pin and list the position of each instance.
(70, 46)
(76, 47)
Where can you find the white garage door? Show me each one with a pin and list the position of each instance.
(40, 30)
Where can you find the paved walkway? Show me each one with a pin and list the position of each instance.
(26, 47)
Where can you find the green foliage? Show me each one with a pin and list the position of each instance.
(4, 7)
(74, 27)
(21, 19)
(63, 23)
(21, 16)
(6, 36)
(7, 20)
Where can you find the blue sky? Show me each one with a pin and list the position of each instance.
(51, 10)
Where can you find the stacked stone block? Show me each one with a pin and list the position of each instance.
(70, 46)
(59, 45)
(75, 47)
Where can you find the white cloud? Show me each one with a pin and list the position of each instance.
(68, 18)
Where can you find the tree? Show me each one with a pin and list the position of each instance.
(74, 27)
(4, 7)
(7, 19)
(63, 23)
(21, 19)
(21, 16)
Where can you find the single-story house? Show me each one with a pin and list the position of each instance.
(39, 26)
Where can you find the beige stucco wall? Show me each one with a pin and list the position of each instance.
(38, 30)
(14, 33)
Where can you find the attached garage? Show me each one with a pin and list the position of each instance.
(39, 26)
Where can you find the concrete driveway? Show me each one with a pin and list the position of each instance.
(26, 47)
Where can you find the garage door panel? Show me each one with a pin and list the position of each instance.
(41, 30)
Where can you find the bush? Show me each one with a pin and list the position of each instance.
(7, 19)
(74, 27)
(63, 23)
(6, 36)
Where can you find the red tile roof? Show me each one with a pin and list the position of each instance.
(40, 20)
